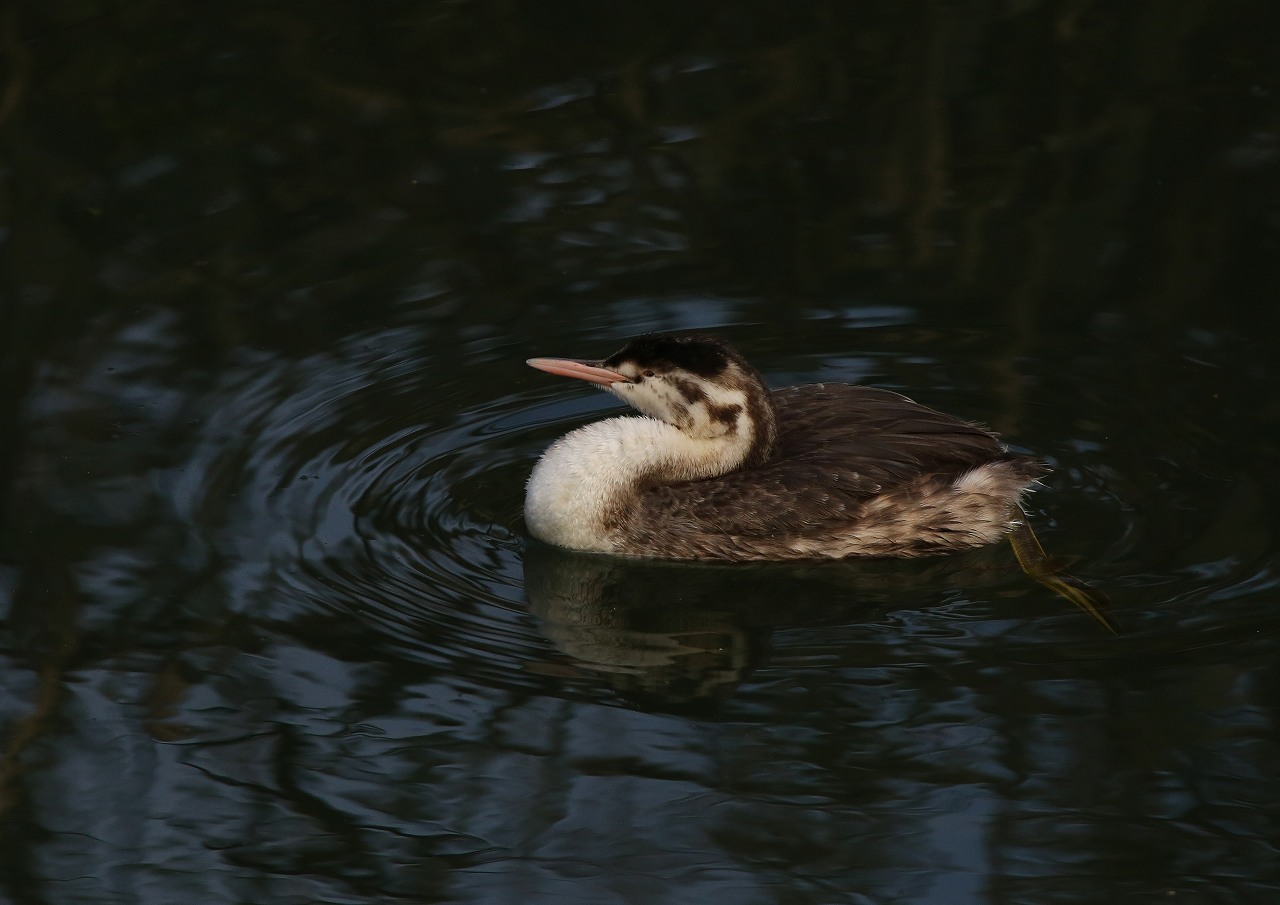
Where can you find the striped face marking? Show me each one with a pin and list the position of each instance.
(700, 407)
(700, 385)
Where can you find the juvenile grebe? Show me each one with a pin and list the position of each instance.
(722, 468)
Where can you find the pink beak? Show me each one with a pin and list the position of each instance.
(582, 370)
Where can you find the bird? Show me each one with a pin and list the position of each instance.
(717, 466)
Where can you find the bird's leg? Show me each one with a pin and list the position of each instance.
(1048, 572)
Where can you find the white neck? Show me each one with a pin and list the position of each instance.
(581, 487)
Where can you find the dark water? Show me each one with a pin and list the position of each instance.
(272, 628)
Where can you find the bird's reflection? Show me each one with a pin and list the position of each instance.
(668, 635)
(682, 636)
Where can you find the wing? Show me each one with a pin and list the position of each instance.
(838, 446)
(876, 433)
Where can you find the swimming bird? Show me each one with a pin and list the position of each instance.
(719, 467)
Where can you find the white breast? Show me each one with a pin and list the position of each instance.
(582, 488)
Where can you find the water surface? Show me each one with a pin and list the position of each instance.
(274, 631)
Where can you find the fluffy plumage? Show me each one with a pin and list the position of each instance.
(722, 468)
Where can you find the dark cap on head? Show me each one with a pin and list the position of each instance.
(705, 356)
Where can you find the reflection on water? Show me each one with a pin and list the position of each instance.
(273, 631)
(660, 633)
(679, 635)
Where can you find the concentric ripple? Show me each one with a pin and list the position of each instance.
(377, 486)
(384, 483)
